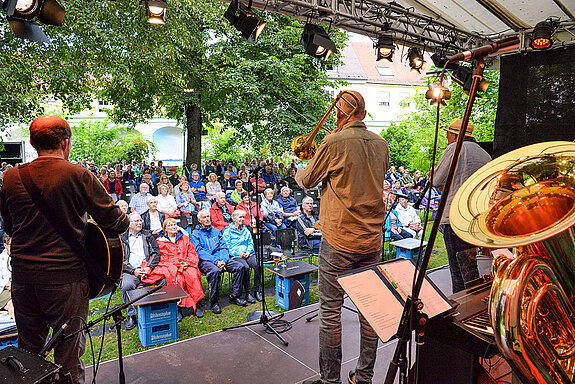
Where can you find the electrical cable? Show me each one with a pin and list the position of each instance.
(97, 364)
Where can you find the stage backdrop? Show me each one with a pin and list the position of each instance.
(536, 99)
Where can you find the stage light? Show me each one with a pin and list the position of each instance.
(437, 92)
(439, 60)
(156, 11)
(415, 59)
(541, 37)
(21, 13)
(384, 47)
(245, 20)
(316, 42)
(464, 77)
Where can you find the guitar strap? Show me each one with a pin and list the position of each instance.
(60, 226)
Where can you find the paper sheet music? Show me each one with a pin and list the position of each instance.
(402, 274)
(375, 301)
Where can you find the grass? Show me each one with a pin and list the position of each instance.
(231, 315)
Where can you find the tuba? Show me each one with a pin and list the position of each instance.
(525, 200)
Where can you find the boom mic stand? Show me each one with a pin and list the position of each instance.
(115, 313)
(264, 317)
(413, 317)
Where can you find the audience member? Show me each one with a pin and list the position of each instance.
(6, 278)
(209, 168)
(185, 198)
(393, 227)
(397, 188)
(103, 175)
(228, 183)
(409, 218)
(246, 185)
(213, 186)
(166, 203)
(251, 209)
(177, 249)
(153, 219)
(289, 207)
(261, 183)
(165, 180)
(129, 174)
(219, 169)
(241, 248)
(139, 201)
(147, 179)
(123, 204)
(268, 176)
(308, 238)
(197, 187)
(141, 255)
(419, 181)
(194, 167)
(289, 180)
(282, 170)
(236, 196)
(392, 176)
(272, 212)
(174, 178)
(221, 212)
(233, 174)
(214, 259)
(386, 190)
(113, 186)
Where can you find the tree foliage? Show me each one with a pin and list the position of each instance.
(104, 142)
(413, 137)
(267, 92)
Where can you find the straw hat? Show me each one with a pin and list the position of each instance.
(455, 127)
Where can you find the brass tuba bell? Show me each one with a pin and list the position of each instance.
(525, 200)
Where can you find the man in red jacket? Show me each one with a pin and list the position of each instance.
(221, 212)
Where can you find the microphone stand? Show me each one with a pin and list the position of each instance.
(265, 317)
(413, 317)
(116, 314)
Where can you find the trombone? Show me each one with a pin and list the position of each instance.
(304, 147)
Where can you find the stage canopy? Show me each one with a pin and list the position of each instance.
(435, 25)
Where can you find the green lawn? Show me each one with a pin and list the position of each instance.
(231, 315)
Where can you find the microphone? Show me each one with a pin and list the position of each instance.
(53, 340)
(399, 195)
(485, 50)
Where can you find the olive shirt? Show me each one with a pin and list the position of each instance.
(352, 164)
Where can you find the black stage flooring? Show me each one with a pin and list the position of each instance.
(250, 355)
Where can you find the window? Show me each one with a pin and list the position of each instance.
(384, 71)
(384, 99)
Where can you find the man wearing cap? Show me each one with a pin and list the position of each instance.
(471, 158)
(174, 178)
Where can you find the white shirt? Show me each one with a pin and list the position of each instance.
(155, 222)
(407, 215)
(5, 274)
(136, 249)
(167, 203)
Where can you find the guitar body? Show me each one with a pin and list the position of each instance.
(108, 253)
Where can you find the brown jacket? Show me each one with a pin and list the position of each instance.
(39, 254)
(352, 165)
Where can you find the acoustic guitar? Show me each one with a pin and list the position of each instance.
(107, 251)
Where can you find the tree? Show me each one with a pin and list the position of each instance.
(196, 69)
(104, 142)
(413, 136)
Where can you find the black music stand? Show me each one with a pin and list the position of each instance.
(264, 317)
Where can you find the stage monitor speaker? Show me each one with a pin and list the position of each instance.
(20, 367)
(536, 93)
(12, 152)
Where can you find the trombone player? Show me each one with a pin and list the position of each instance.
(351, 164)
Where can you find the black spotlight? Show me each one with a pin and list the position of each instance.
(244, 19)
(541, 37)
(156, 11)
(439, 60)
(316, 42)
(415, 59)
(464, 77)
(437, 94)
(21, 14)
(384, 47)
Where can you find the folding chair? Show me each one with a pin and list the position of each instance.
(285, 239)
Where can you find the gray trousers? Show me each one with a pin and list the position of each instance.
(129, 283)
(39, 307)
(333, 263)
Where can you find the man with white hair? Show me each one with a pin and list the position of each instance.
(289, 205)
(221, 212)
(139, 201)
(214, 259)
(308, 238)
(141, 255)
(409, 218)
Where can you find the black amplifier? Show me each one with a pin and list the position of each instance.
(20, 367)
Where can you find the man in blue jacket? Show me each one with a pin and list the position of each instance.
(214, 258)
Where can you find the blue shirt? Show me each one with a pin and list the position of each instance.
(269, 178)
(209, 244)
(238, 241)
(198, 184)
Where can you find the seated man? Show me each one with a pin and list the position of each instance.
(308, 238)
(5, 278)
(123, 205)
(409, 217)
(241, 247)
(139, 201)
(268, 176)
(221, 212)
(289, 181)
(141, 255)
(197, 186)
(214, 258)
(290, 208)
(147, 179)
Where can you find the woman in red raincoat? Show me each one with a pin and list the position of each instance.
(179, 265)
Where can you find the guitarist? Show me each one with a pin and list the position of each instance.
(49, 279)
